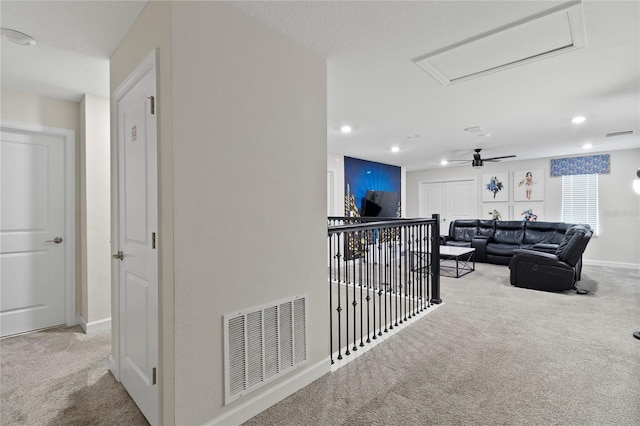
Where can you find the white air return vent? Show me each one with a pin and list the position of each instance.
(555, 31)
(621, 133)
(262, 344)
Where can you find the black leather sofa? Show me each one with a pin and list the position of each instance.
(496, 240)
(556, 271)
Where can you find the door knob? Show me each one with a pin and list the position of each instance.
(56, 240)
(119, 255)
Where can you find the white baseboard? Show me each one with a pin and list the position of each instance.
(611, 264)
(94, 326)
(113, 367)
(253, 406)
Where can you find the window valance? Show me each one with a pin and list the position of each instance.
(585, 165)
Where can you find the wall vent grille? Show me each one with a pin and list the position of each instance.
(622, 133)
(262, 344)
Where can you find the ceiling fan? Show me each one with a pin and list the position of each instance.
(478, 161)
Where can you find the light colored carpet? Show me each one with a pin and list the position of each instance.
(60, 377)
(493, 354)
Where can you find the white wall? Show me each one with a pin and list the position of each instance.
(619, 213)
(335, 167)
(95, 224)
(249, 147)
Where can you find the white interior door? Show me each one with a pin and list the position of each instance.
(32, 232)
(137, 233)
(452, 200)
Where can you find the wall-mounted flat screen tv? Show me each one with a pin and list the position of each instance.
(380, 204)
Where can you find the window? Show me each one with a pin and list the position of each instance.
(580, 200)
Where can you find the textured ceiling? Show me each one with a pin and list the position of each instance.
(374, 85)
(75, 41)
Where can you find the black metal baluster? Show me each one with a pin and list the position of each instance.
(394, 280)
(416, 296)
(331, 276)
(380, 284)
(425, 284)
(410, 270)
(401, 260)
(346, 291)
(374, 250)
(369, 286)
(435, 239)
(339, 308)
(360, 280)
(355, 303)
(412, 283)
(435, 260)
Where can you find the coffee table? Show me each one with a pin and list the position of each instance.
(456, 262)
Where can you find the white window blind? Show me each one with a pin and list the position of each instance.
(580, 200)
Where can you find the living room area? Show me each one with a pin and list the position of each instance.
(255, 101)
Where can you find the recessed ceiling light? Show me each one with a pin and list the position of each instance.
(345, 129)
(587, 146)
(444, 162)
(485, 135)
(17, 37)
(578, 119)
(395, 149)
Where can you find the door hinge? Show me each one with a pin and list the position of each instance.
(153, 240)
(153, 104)
(154, 375)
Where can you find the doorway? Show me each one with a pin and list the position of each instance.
(135, 236)
(37, 231)
(451, 199)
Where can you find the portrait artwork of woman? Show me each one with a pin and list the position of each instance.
(528, 183)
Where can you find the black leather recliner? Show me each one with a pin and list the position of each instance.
(461, 232)
(551, 272)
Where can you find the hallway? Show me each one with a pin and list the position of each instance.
(60, 376)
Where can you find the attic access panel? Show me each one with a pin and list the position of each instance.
(555, 31)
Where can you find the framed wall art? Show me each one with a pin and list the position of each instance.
(528, 185)
(495, 187)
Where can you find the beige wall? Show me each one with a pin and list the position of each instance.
(152, 30)
(95, 220)
(250, 190)
(619, 213)
(34, 109)
(245, 135)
